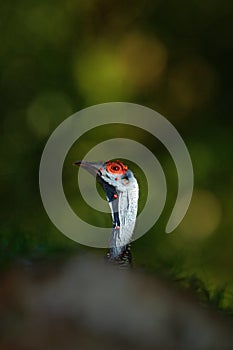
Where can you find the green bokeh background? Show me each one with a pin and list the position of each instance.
(58, 57)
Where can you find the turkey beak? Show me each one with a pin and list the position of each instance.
(91, 167)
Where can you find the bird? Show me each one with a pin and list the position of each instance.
(122, 193)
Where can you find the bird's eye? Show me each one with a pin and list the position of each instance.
(116, 167)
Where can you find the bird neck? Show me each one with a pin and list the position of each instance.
(124, 213)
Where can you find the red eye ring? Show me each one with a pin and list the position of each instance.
(116, 167)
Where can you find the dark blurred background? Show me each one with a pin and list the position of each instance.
(58, 57)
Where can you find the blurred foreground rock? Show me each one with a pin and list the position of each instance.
(84, 304)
